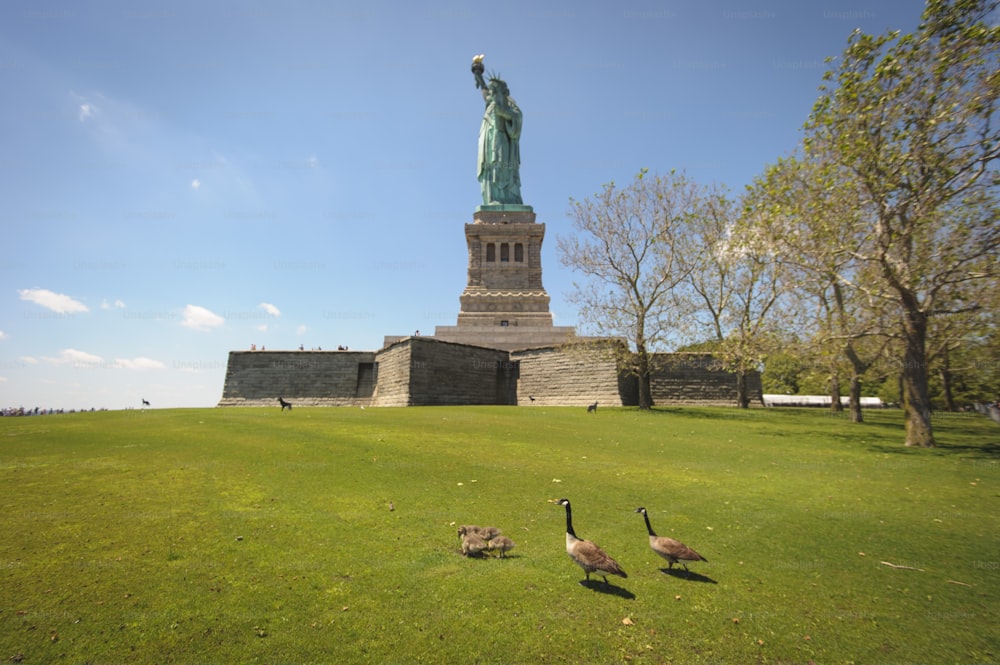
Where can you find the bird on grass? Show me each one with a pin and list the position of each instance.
(473, 545)
(672, 550)
(586, 554)
(467, 529)
(501, 543)
(487, 533)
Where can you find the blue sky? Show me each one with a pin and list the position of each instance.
(182, 179)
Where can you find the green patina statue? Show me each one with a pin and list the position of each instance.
(499, 137)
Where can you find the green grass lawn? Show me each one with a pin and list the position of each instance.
(256, 536)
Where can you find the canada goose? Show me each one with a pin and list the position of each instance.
(472, 545)
(672, 550)
(586, 554)
(502, 543)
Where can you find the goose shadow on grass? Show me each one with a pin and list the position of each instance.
(485, 556)
(607, 588)
(688, 575)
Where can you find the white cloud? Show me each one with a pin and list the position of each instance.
(270, 309)
(139, 363)
(195, 184)
(57, 302)
(76, 358)
(199, 318)
(84, 360)
(3, 335)
(312, 162)
(117, 304)
(301, 330)
(87, 110)
(262, 327)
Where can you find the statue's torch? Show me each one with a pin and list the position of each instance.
(477, 70)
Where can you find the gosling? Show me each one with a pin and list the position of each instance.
(473, 545)
(503, 544)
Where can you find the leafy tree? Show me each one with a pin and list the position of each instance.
(910, 121)
(782, 373)
(732, 290)
(964, 352)
(814, 221)
(629, 248)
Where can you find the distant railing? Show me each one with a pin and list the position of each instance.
(819, 401)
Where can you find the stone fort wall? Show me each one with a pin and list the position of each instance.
(573, 375)
(444, 373)
(422, 371)
(698, 378)
(310, 378)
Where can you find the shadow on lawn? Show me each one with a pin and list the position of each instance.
(985, 450)
(953, 439)
(607, 588)
(688, 575)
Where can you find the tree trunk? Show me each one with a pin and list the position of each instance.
(835, 404)
(857, 369)
(644, 373)
(742, 396)
(949, 399)
(856, 415)
(916, 397)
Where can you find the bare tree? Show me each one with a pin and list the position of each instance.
(732, 289)
(628, 247)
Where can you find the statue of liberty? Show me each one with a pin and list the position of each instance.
(499, 137)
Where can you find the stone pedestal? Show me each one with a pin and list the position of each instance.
(504, 304)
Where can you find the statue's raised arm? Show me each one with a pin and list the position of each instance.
(477, 71)
(499, 140)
